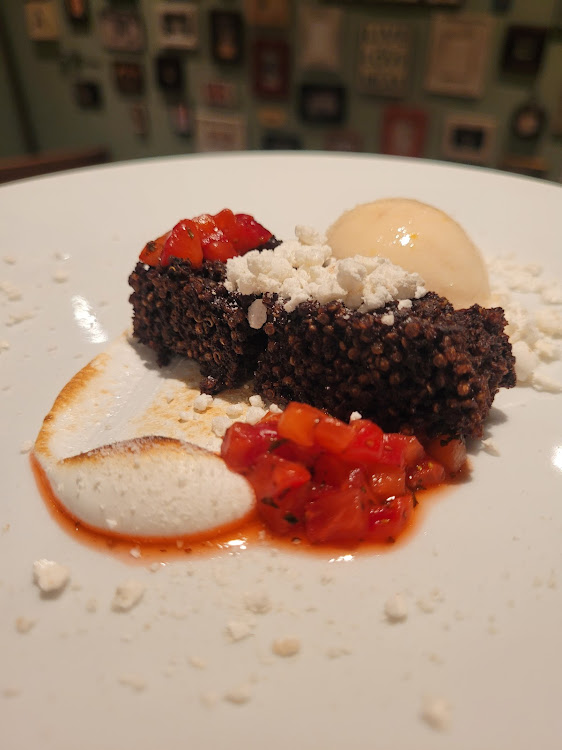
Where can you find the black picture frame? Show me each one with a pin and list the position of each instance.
(88, 94)
(523, 49)
(322, 104)
(279, 141)
(128, 77)
(169, 73)
(78, 13)
(227, 36)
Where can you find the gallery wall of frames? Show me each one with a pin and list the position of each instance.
(472, 81)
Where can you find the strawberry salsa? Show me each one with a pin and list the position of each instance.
(207, 237)
(326, 481)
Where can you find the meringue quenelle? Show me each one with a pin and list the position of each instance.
(419, 238)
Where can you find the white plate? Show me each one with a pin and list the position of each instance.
(488, 554)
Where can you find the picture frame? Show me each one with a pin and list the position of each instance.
(469, 138)
(177, 25)
(272, 117)
(384, 58)
(181, 119)
(215, 92)
(122, 30)
(281, 141)
(41, 20)
(128, 77)
(169, 73)
(528, 121)
(459, 49)
(322, 104)
(320, 38)
(529, 166)
(270, 68)
(88, 94)
(556, 122)
(445, 3)
(523, 49)
(78, 13)
(344, 140)
(139, 117)
(220, 132)
(404, 131)
(227, 36)
(274, 14)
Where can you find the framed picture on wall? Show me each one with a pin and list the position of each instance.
(528, 120)
(469, 138)
(169, 73)
(139, 118)
(272, 118)
(321, 104)
(122, 30)
(217, 93)
(220, 132)
(384, 58)
(177, 25)
(404, 131)
(227, 36)
(78, 13)
(268, 13)
(320, 41)
(281, 142)
(181, 120)
(523, 49)
(88, 94)
(129, 78)
(270, 64)
(556, 124)
(41, 20)
(459, 48)
(530, 166)
(344, 140)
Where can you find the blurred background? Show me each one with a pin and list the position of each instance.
(473, 81)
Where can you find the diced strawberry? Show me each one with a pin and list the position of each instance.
(184, 243)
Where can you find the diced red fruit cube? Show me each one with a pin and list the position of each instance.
(387, 480)
(387, 520)
(400, 450)
(152, 251)
(427, 473)
(183, 243)
(367, 443)
(249, 234)
(333, 435)
(284, 514)
(337, 515)
(243, 444)
(298, 423)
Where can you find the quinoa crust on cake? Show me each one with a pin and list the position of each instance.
(428, 369)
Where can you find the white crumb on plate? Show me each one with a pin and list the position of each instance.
(239, 694)
(17, 318)
(9, 260)
(24, 624)
(275, 409)
(254, 414)
(11, 292)
(237, 630)
(135, 552)
(220, 425)
(60, 276)
(354, 416)
(127, 595)
(256, 400)
(395, 608)
(51, 577)
(258, 603)
(234, 411)
(92, 605)
(286, 646)
(197, 662)
(4, 345)
(202, 402)
(26, 446)
(132, 681)
(436, 712)
(490, 447)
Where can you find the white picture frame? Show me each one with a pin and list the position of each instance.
(41, 19)
(215, 132)
(320, 38)
(458, 55)
(177, 25)
(469, 138)
(384, 61)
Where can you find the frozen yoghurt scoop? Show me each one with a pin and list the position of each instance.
(420, 238)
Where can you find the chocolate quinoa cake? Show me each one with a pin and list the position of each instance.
(178, 310)
(434, 370)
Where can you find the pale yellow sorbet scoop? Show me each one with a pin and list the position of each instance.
(421, 239)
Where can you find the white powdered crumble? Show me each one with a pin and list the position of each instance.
(127, 595)
(436, 712)
(304, 269)
(286, 646)
(396, 609)
(50, 576)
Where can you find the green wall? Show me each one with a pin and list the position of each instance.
(58, 122)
